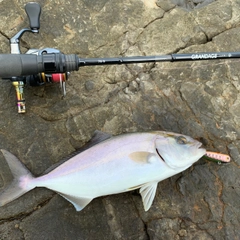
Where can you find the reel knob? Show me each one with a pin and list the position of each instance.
(33, 11)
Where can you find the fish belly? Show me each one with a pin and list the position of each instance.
(105, 179)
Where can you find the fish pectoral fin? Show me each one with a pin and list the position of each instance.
(148, 192)
(78, 202)
(142, 157)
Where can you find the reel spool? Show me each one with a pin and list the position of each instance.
(60, 78)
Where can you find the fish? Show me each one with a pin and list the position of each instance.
(114, 164)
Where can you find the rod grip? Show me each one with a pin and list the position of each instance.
(30, 64)
(18, 65)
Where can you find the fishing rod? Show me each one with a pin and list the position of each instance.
(41, 66)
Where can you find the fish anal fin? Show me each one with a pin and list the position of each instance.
(142, 157)
(78, 202)
(148, 192)
(134, 187)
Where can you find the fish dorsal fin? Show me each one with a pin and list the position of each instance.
(97, 137)
(78, 202)
(148, 192)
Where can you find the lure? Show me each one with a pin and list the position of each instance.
(217, 157)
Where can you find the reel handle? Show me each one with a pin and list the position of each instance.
(33, 11)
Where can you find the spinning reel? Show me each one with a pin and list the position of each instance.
(33, 11)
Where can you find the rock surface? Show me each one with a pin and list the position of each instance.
(200, 99)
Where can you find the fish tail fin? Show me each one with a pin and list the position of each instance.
(21, 182)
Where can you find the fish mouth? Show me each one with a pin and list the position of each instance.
(161, 157)
(199, 149)
(198, 145)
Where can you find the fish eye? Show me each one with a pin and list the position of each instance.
(181, 140)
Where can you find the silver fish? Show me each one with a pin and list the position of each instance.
(118, 164)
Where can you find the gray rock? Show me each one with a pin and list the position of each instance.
(200, 99)
(165, 5)
(190, 5)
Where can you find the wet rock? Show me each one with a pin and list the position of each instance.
(200, 99)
